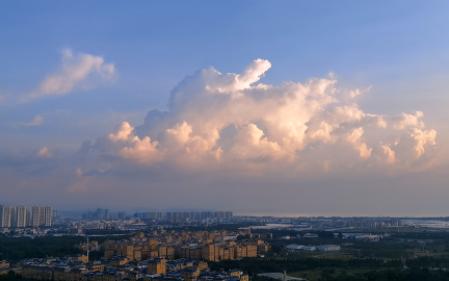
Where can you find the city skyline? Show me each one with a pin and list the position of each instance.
(258, 108)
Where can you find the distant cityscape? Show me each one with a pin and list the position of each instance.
(162, 216)
(44, 216)
(106, 245)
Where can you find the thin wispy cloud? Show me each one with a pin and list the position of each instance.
(77, 71)
(36, 121)
(43, 152)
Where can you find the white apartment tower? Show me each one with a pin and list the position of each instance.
(41, 216)
(35, 216)
(48, 216)
(21, 217)
(6, 215)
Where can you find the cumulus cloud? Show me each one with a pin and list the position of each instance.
(390, 154)
(355, 138)
(423, 138)
(75, 71)
(142, 150)
(233, 120)
(407, 120)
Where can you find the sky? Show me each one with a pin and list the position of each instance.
(258, 107)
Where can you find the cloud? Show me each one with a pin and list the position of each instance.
(410, 120)
(233, 121)
(423, 138)
(37, 120)
(355, 138)
(123, 133)
(389, 154)
(233, 141)
(76, 70)
(44, 152)
(142, 150)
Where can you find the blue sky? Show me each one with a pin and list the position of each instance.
(160, 42)
(398, 49)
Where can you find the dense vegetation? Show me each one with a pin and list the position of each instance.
(15, 249)
(260, 265)
(344, 270)
(390, 275)
(11, 276)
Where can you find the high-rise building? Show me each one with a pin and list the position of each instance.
(6, 215)
(35, 216)
(48, 216)
(41, 216)
(21, 216)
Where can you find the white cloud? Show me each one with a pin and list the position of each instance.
(252, 143)
(142, 150)
(252, 74)
(44, 152)
(423, 138)
(355, 138)
(408, 120)
(123, 133)
(233, 120)
(322, 133)
(389, 153)
(76, 69)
